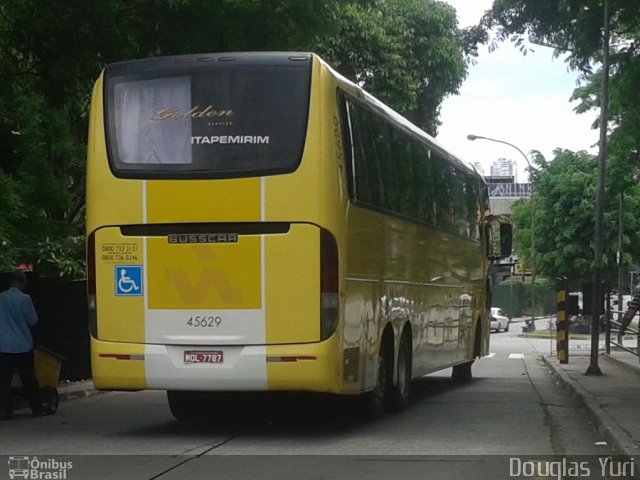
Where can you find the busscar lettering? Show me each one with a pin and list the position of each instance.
(230, 140)
(162, 113)
(203, 238)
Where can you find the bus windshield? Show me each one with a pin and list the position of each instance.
(217, 121)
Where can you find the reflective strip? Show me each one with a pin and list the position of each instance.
(120, 356)
(291, 359)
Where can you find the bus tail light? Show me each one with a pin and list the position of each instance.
(91, 285)
(329, 285)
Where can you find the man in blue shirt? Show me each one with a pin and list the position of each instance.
(17, 318)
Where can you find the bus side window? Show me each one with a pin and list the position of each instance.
(369, 187)
(348, 147)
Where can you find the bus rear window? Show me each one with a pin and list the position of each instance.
(218, 121)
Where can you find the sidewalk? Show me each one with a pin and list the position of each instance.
(611, 399)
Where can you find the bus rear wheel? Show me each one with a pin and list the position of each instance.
(183, 405)
(376, 400)
(462, 372)
(402, 389)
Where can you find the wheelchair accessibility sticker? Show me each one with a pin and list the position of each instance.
(128, 280)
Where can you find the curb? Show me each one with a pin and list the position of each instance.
(66, 391)
(615, 436)
(75, 390)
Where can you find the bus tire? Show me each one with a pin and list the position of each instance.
(376, 401)
(183, 405)
(462, 373)
(402, 388)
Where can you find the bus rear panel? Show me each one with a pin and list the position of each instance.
(195, 283)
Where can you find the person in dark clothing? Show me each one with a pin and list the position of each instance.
(632, 309)
(17, 318)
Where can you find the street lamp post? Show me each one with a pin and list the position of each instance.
(472, 138)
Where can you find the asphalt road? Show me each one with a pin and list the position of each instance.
(511, 412)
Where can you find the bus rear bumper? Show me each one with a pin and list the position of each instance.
(313, 367)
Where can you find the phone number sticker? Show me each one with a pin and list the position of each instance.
(119, 252)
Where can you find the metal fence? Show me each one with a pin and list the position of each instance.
(579, 339)
(629, 342)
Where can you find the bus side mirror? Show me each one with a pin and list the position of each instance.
(505, 239)
(500, 237)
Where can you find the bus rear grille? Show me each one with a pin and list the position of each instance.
(351, 364)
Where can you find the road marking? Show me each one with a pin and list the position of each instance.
(516, 356)
(491, 355)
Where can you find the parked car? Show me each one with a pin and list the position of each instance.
(499, 321)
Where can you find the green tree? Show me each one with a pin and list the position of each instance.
(575, 27)
(564, 193)
(50, 55)
(410, 53)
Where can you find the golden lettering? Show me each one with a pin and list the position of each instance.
(162, 113)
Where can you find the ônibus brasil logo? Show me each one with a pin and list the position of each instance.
(33, 468)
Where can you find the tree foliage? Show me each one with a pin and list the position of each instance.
(575, 27)
(564, 198)
(409, 52)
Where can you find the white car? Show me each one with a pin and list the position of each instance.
(499, 321)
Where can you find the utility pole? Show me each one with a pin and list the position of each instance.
(596, 303)
(620, 257)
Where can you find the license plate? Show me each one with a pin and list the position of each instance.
(203, 356)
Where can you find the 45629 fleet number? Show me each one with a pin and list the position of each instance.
(205, 321)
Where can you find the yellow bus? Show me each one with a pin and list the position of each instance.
(257, 222)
